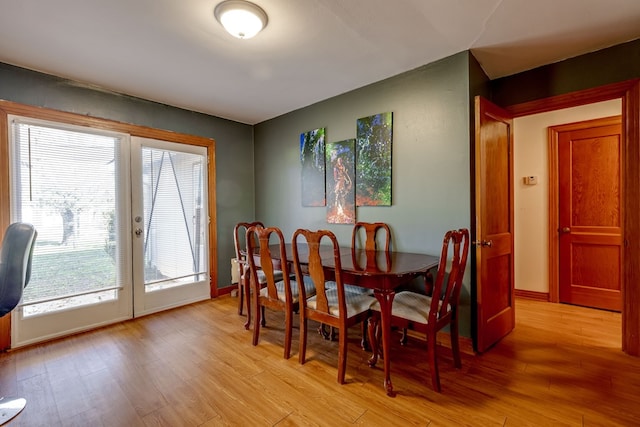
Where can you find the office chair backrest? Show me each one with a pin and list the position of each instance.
(15, 264)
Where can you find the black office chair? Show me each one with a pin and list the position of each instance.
(15, 272)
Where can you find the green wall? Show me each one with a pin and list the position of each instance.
(234, 141)
(614, 64)
(430, 159)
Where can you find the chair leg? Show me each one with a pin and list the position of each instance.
(455, 345)
(288, 331)
(374, 340)
(364, 342)
(403, 338)
(322, 330)
(257, 322)
(303, 338)
(433, 361)
(240, 298)
(342, 356)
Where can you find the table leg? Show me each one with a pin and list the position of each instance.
(386, 300)
(247, 295)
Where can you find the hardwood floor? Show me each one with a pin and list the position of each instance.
(195, 366)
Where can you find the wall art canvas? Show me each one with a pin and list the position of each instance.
(373, 160)
(341, 201)
(313, 167)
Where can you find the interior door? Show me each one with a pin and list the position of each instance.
(590, 216)
(494, 293)
(170, 224)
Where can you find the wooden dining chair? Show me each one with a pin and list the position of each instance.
(372, 232)
(331, 305)
(372, 235)
(280, 292)
(430, 313)
(239, 233)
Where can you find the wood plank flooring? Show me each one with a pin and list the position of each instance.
(195, 366)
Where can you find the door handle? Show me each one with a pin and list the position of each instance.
(138, 232)
(483, 243)
(565, 230)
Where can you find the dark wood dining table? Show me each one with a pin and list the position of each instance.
(381, 271)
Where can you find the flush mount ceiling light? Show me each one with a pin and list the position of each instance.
(242, 19)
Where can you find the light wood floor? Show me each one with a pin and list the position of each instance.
(195, 366)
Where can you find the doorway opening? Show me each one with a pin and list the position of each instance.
(628, 94)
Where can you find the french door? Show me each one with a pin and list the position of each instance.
(170, 223)
(120, 226)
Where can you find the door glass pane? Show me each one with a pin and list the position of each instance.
(174, 238)
(64, 182)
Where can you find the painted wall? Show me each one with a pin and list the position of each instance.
(430, 158)
(614, 64)
(234, 141)
(532, 202)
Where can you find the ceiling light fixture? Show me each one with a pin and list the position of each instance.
(242, 19)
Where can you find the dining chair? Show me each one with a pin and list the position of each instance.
(372, 233)
(332, 306)
(428, 314)
(280, 291)
(239, 235)
(372, 230)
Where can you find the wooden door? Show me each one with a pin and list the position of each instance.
(589, 213)
(494, 293)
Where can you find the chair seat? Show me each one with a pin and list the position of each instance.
(350, 288)
(356, 302)
(277, 275)
(262, 279)
(409, 305)
(295, 291)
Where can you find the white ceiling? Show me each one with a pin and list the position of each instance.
(176, 53)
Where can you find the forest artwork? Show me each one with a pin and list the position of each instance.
(313, 168)
(340, 161)
(373, 157)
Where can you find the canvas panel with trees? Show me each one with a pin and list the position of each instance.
(373, 157)
(340, 161)
(313, 167)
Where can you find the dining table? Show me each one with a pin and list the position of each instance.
(381, 271)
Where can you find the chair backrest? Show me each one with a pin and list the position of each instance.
(258, 241)
(316, 252)
(446, 289)
(239, 236)
(371, 230)
(15, 264)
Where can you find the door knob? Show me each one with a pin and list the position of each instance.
(138, 232)
(483, 243)
(565, 230)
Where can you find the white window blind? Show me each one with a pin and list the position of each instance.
(64, 181)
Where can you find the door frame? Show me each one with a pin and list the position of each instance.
(9, 107)
(629, 92)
